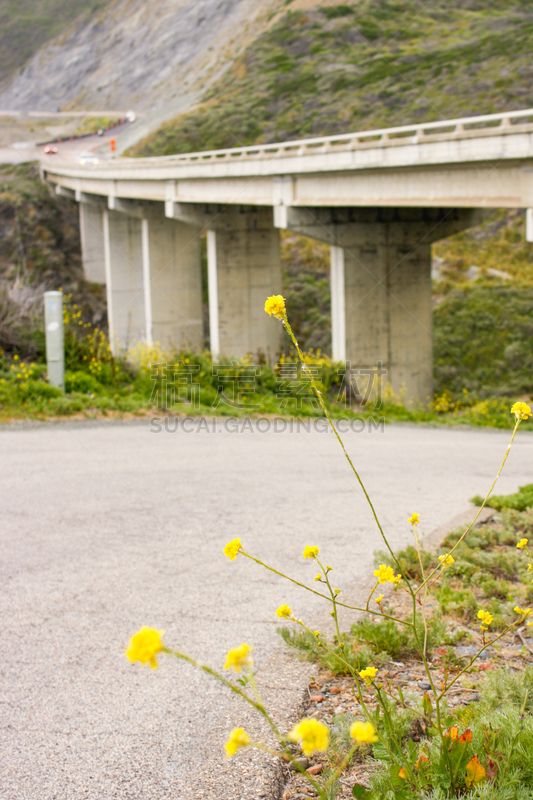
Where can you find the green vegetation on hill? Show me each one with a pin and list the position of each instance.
(483, 336)
(362, 65)
(25, 25)
(39, 250)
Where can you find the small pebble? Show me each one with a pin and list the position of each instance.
(315, 770)
(316, 698)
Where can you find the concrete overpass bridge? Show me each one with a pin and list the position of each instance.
(378, 198)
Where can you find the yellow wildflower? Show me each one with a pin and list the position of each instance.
(284, 612)
(447, 561)
(238, 658)
(379, 598)
(238, 738)
(144, 646)
(530, 624)
(485, 617)
(386, 575)
(368, 675)
(414, 519)
(403, 774)
(318, 577)
(275, 305)
(523, 612)
(521, 411)
(232, 548)
(311, 552)
(522, 543)
(312, 735)
(363, 733)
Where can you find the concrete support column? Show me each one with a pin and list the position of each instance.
(174, 287)
(248, 270)
(212, 288)
(154, 281)
(529, 224)
(338, 304)
(381, 284)
(92, 242)
(388, 311)
(124, 279)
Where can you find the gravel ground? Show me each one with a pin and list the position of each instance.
(107, 527)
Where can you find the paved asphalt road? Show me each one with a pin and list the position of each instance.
(67, 152)
(108, 527)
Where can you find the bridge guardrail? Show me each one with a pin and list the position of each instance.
(505, 122)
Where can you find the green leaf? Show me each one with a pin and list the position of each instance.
(381, 752)
(360, 791)
(397, 782)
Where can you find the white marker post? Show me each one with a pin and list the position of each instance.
(55, 346)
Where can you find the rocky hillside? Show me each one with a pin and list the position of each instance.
(130, 53)
(39, 250)
(26, 25)
(335, 67)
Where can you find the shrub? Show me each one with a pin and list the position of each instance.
(82, 382)
(519, 501)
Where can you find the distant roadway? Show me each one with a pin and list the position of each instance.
(21, 152)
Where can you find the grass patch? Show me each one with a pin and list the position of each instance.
(520, 500)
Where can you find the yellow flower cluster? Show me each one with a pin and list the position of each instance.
(144, 356)
(21, 373)
(284, 612)
(145, 645)
(368, 675)
(486, 619)
(311, 552)
(238, 738)
(522, 543)
(239, 657)
(379, 598)
(521, 411)
(232, 548)
(447, 561)
(312, 735)
(414, 519)
(363, 733)
(275, 305)
(386, 574)
(523, 612)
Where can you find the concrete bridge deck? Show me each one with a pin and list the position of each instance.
(378, 198)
